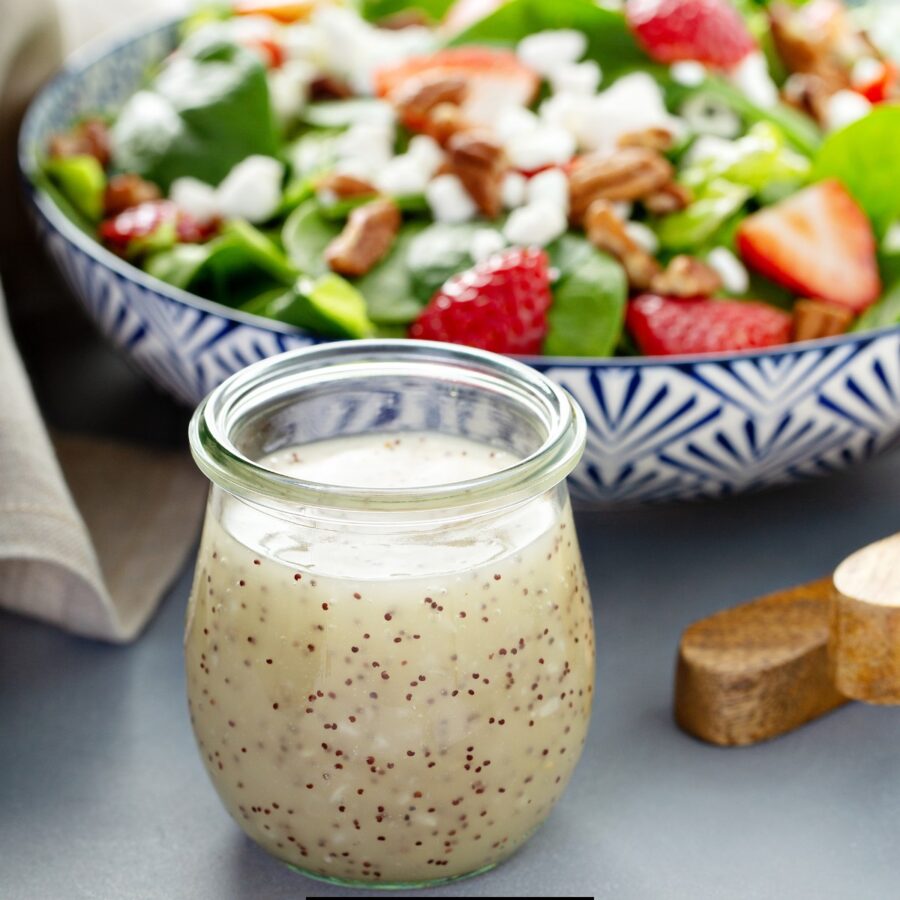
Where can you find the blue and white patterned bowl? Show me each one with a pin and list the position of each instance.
(685, 428)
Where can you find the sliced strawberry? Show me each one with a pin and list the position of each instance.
(501, 305)
(882, 85)
(153, 225)
(494, 79)
(286, 11)
(665, 326)
(818, 243)
(709, 31)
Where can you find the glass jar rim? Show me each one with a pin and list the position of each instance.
(226, 466)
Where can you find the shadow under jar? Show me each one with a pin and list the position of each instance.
(389, 644)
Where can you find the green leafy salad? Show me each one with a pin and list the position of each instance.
(557, 177)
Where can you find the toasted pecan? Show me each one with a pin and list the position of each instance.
(444, 121)
(817, 319)
(479, 162)
(628, 174)
(327, 87)
(345, 186)
(125, 191)
(418, 97)
(670, 198)
(89, 138)
(658, 139)
(366, 239)
(606, 231)
(686, 276)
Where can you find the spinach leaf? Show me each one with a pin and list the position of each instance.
(328, 305)
(376, 10)
(588, 301)
(206, 110)
(799, 129)
(610, 41)
(883, 313)
(305, 236)
(863, 157)
(388, 288)
(240, 262)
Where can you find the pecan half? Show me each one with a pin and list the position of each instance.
(367, 237)
(670, 198)
(418, 97)
(629, 174)
(90, 138)
(658, 139)
(686, 276)
(480, 163)
(444, 121)
(327, 87)
(808, 93)
(606, 231)
(345, 186)
(816, 319)
(125, 191)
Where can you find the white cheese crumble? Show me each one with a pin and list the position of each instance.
(535, 224)
(543, 51)
(449, 200)
(730, 269)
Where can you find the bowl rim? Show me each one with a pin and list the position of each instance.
(108, 45)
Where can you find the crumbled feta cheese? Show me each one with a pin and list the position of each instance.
(252, 189)
(706, 114)
(535, 224)
(289, 88)
(449, 201)
(751, 77)
(567, 110)
(145, 107)
(358, 167)
(485, 242)
(576, 78)
(515, 121)
(548, 146)
(369, 141)
(251, 29)
(866, 70)
(545, 50)
(512, 189)
(403, 176)
(198, 199)
(633, 103)
(551, 187)
(623, 209)
(305, 43)
(844, 108)
(643, 236)
(688, 72)
(427, 151)
(710, 147)
(730, 269)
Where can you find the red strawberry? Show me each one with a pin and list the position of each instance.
(501, 305)
(664, 326)
(494, 78)
(818, 243)
(152, 225)
(710, 31)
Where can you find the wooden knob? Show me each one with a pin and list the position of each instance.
(864, 646)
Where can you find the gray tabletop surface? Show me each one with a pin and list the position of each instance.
(102, 793)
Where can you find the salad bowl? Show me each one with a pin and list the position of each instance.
(659, 429)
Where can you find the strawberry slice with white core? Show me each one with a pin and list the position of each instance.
(709, 31)
(817, 242)
(495, 79)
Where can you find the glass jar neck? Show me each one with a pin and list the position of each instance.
(388, 387)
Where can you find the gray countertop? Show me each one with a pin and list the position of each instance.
(102, 793)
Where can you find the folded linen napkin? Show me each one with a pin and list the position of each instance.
(91, 534)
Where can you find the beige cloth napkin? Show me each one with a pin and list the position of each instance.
(92, 534)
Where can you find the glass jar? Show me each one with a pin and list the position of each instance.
(389, 685)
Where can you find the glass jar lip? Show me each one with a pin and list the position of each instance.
(223, 463)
